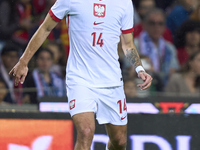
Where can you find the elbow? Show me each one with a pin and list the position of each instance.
(48, 29)
(45, 27)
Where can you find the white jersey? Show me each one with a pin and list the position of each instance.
(95, 27)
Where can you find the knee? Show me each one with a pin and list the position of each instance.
(119, 141)
(86, 133)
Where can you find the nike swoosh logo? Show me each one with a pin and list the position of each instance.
(122, 118)
(97, 23)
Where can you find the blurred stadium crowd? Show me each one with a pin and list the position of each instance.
(166, 34)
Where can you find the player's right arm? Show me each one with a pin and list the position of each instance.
(20, 69)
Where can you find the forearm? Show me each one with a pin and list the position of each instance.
(34, 44)
(130, 50)
(133, 56)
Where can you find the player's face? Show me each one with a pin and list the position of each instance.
(44, 61)
(193, 38)
(155, 25)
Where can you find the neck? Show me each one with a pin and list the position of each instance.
(191, 48)
(46, 73)
(191, 75)
(156, 42)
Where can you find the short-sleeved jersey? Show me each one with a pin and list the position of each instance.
(95, 27)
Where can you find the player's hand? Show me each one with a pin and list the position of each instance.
(146, 78)
(19, 72)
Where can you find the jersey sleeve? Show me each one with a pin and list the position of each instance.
(127, 20)
(59, 10)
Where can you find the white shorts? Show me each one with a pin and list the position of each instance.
(108, 103)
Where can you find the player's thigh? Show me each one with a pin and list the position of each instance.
(85, 124)
(117, 133)
(112, 106)
(81, 99)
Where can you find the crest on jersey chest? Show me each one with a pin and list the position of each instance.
(99, 10)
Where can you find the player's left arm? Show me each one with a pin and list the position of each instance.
(133, 57)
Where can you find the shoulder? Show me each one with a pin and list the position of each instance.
(175, 83)
(125, 3)
(181, 49)
(56, 75)
(170, 46)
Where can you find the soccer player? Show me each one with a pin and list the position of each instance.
(94, 77)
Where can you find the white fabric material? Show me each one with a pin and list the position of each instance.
(61, 7)
(107, 148)
(139, 68)
(94, 31)
(108, 103)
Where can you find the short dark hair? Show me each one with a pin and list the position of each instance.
(187, 26)
(11, 47)
(154, 11)
(187, 67)
(44, 50)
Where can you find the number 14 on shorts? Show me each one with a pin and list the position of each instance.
(120, 103)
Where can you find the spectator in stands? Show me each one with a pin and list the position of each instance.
(130, 88)
(47, 83)
(15, 18)
(59, 61)
(9, 22)
(187, 40)
(4, 95)
(38, 6)
(9, 57)
(180, 13)
(144, 7)
(24, 9)
(164, 4)
(187, 82)
(151, 43)
(196, 14)
(40, 14)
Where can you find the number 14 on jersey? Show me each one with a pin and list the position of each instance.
(99, 40)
